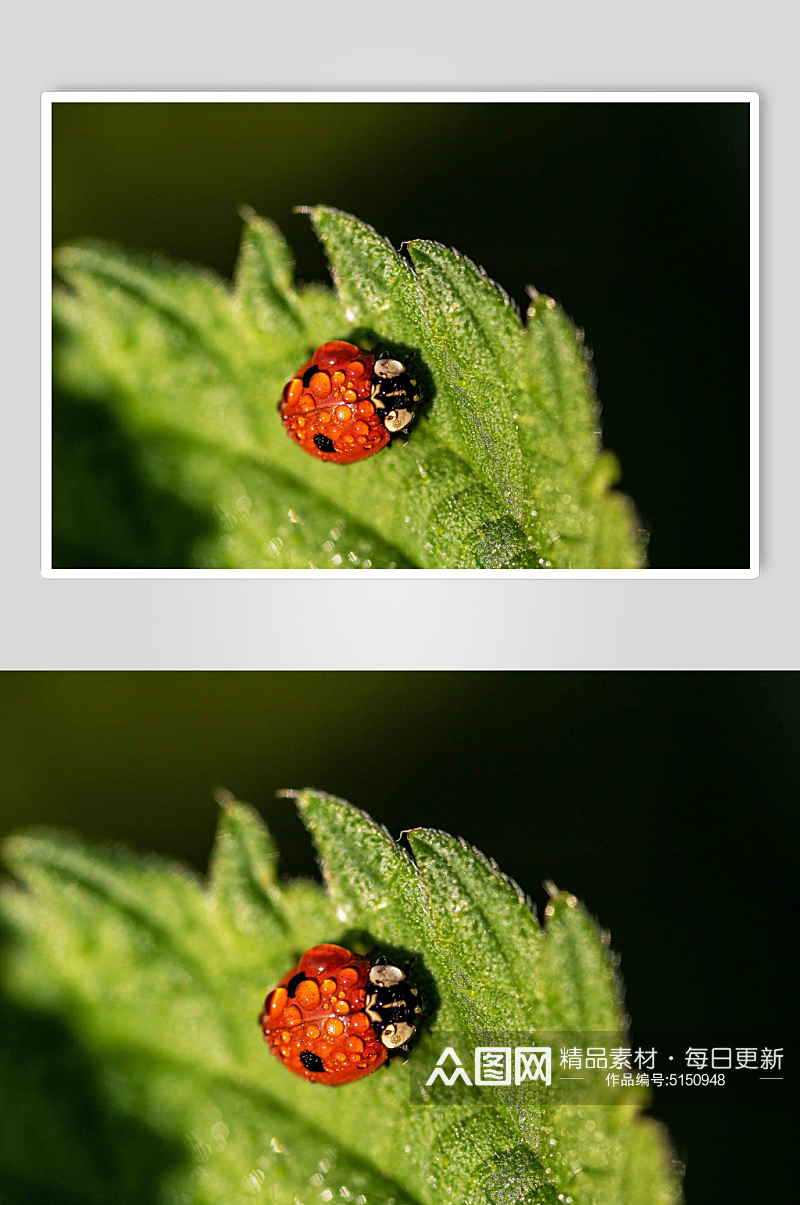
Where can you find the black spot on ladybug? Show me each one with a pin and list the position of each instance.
(294, 983)
(308, 374)
(311, 1061)
(324, 444)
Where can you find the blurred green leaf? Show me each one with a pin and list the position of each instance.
(133, 1067)
(581, 520)
(168, 450)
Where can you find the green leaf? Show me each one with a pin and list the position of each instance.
(133, 1068)
(581, 522)
(579, 984)
(379, 889)
(264, 279)
(481, 923)
(242, 875)
(168, 450)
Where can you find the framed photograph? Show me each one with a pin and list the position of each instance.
(415, 334)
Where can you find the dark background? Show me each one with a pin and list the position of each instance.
(667, 802)
(633, 216)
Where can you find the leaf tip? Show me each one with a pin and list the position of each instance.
(315, 807)
(307, 796)
(541, 303)
(605, 473)
(309, 802)
(223, 797)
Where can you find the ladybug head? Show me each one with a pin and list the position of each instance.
(392, 1005)
(394, 393)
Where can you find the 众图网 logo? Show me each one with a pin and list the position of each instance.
(594, 1067)
(494, 1066)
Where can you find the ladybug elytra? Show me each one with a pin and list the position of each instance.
(345, 404)
(337, 1016)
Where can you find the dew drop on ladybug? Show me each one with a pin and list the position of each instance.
(338, 1016)
(345, 404)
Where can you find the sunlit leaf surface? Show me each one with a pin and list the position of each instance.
(133, 1069)
(168, 450)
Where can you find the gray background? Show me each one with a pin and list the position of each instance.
(461, 623)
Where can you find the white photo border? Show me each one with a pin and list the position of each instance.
(411, 97)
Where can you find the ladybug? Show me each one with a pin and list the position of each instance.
(338, 1016)
(345, 404)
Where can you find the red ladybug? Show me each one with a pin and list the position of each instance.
(337, 1016)
(345, 404)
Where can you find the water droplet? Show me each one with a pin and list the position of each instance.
(219, 1132)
